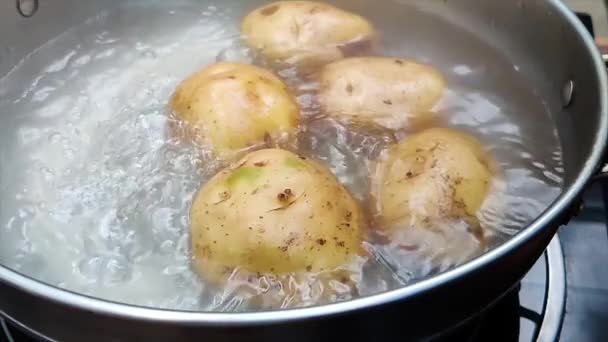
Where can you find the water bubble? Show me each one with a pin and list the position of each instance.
(235, 53)
(150, 54)
(55, 137)
(47, 173)
(167, 247)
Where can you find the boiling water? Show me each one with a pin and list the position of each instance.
(96, 195)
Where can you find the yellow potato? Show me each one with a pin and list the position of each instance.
(233, 106)
(306, 32)
(433, 176)
(389, 92)
(274, 212)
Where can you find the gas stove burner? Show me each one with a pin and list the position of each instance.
(532, 312)
(7, 334)
(549, 324)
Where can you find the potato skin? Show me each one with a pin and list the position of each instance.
(274, 212)
(306, 32)
(233, 106)
(390, 92)
(437, 174)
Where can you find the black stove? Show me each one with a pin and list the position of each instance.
(563, 298)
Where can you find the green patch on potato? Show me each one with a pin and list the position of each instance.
(295, 163)
(247, 175)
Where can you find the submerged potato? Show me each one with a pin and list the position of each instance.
(274, 212)
(306, 32)
(389, 92)
(437, 174)
(233, 106)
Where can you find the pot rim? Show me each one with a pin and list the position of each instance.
(115, 309)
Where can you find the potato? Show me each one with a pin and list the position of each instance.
(233, 106)
(389, 92)
(436, 175)
(306, 32)
(274, 212)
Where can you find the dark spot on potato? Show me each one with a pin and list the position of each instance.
(232, 77)
(308, 268)
(286, 196)
(340, 243)
(253, 97)
(267, 139)
(408, 248)
(261, 217)
(409, 174)
(292, 238)
(283, 248)
(206, 252)
(400, 62)
(349, 89)
(388, 102)
(302, 157)
(224, 196)
(270, 10)
(349, 216)
(459, 205)
(261, 163)
(344, 280)
(436, 146)
(321, 242)
(329, 205)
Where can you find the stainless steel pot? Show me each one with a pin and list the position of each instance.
(542, 37)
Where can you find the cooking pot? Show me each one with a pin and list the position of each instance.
(547, 45)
